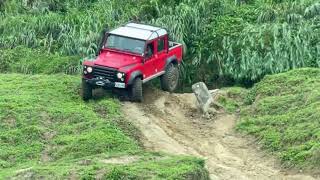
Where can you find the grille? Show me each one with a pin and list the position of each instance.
(108, 73)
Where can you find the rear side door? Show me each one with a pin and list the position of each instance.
(148, 66)
(161, 56)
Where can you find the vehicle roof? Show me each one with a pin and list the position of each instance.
(139, 31)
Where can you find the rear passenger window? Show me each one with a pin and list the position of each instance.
(150, 49)
(160, 44)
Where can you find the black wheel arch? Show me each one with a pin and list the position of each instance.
(133, 76)
(173, 59)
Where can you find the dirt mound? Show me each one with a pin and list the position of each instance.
(172, 123)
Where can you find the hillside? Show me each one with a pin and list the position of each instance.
(283, 113)
(285, 116)
(47, 131)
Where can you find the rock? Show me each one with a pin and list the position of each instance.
(203, 96)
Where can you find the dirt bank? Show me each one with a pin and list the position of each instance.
(171, 123)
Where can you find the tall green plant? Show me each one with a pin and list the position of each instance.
(221, 38)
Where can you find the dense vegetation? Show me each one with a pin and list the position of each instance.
(46, 130)
(283, 112)
(238, 40)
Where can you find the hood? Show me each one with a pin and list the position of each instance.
(116, 59)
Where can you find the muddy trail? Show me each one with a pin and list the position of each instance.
(171, 123)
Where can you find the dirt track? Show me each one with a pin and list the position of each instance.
(171, 123)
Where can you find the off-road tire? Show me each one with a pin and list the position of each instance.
(86, 91)
(136, 94)
(170, 80)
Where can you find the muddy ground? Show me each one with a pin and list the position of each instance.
(171, 123)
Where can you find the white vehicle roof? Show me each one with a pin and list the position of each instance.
(139, 31)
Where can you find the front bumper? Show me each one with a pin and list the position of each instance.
(105, 83)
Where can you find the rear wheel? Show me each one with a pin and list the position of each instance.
(136, 90)
(86, 91)
(170, 80)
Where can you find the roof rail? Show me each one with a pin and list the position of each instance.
(154, 31)
(145, 24)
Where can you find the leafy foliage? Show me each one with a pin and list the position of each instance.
(241, 40)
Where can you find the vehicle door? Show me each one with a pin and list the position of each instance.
(161, 54)
(148, 67)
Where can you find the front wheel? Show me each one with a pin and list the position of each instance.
(170, 80)
(136, 90)
(86, 92)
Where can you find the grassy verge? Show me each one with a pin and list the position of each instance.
(232, 98)
(32, 61)
(283, 112)
(47, 131)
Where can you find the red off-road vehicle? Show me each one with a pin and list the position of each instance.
(130, 56)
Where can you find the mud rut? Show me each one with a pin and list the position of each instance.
(171, 123)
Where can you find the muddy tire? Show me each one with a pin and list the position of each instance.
(136, 94)
(86, 92)
(170, 80)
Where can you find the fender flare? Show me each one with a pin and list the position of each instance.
(133, 76)
(172, 59)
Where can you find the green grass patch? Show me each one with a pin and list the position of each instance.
(33, 61)
(40, 111)
(166, 168)
(48, 132)
(232, 98)
(146, 166)
(283, 112)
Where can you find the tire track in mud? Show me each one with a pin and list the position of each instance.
(171, 123)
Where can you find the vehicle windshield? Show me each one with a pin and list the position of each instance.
(125, 44)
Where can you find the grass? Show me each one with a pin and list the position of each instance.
(47, 131)
(33, 61)
(283, 112)
(170, 168)
(233, 98)
(148, 166)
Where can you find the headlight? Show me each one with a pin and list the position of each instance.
(120, 75)
(89, 69)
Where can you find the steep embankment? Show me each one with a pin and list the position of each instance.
(46, 131)
(284, 114)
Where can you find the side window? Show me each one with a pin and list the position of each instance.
(161, 45)
(150, 49)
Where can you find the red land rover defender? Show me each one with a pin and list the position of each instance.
(130, 56)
